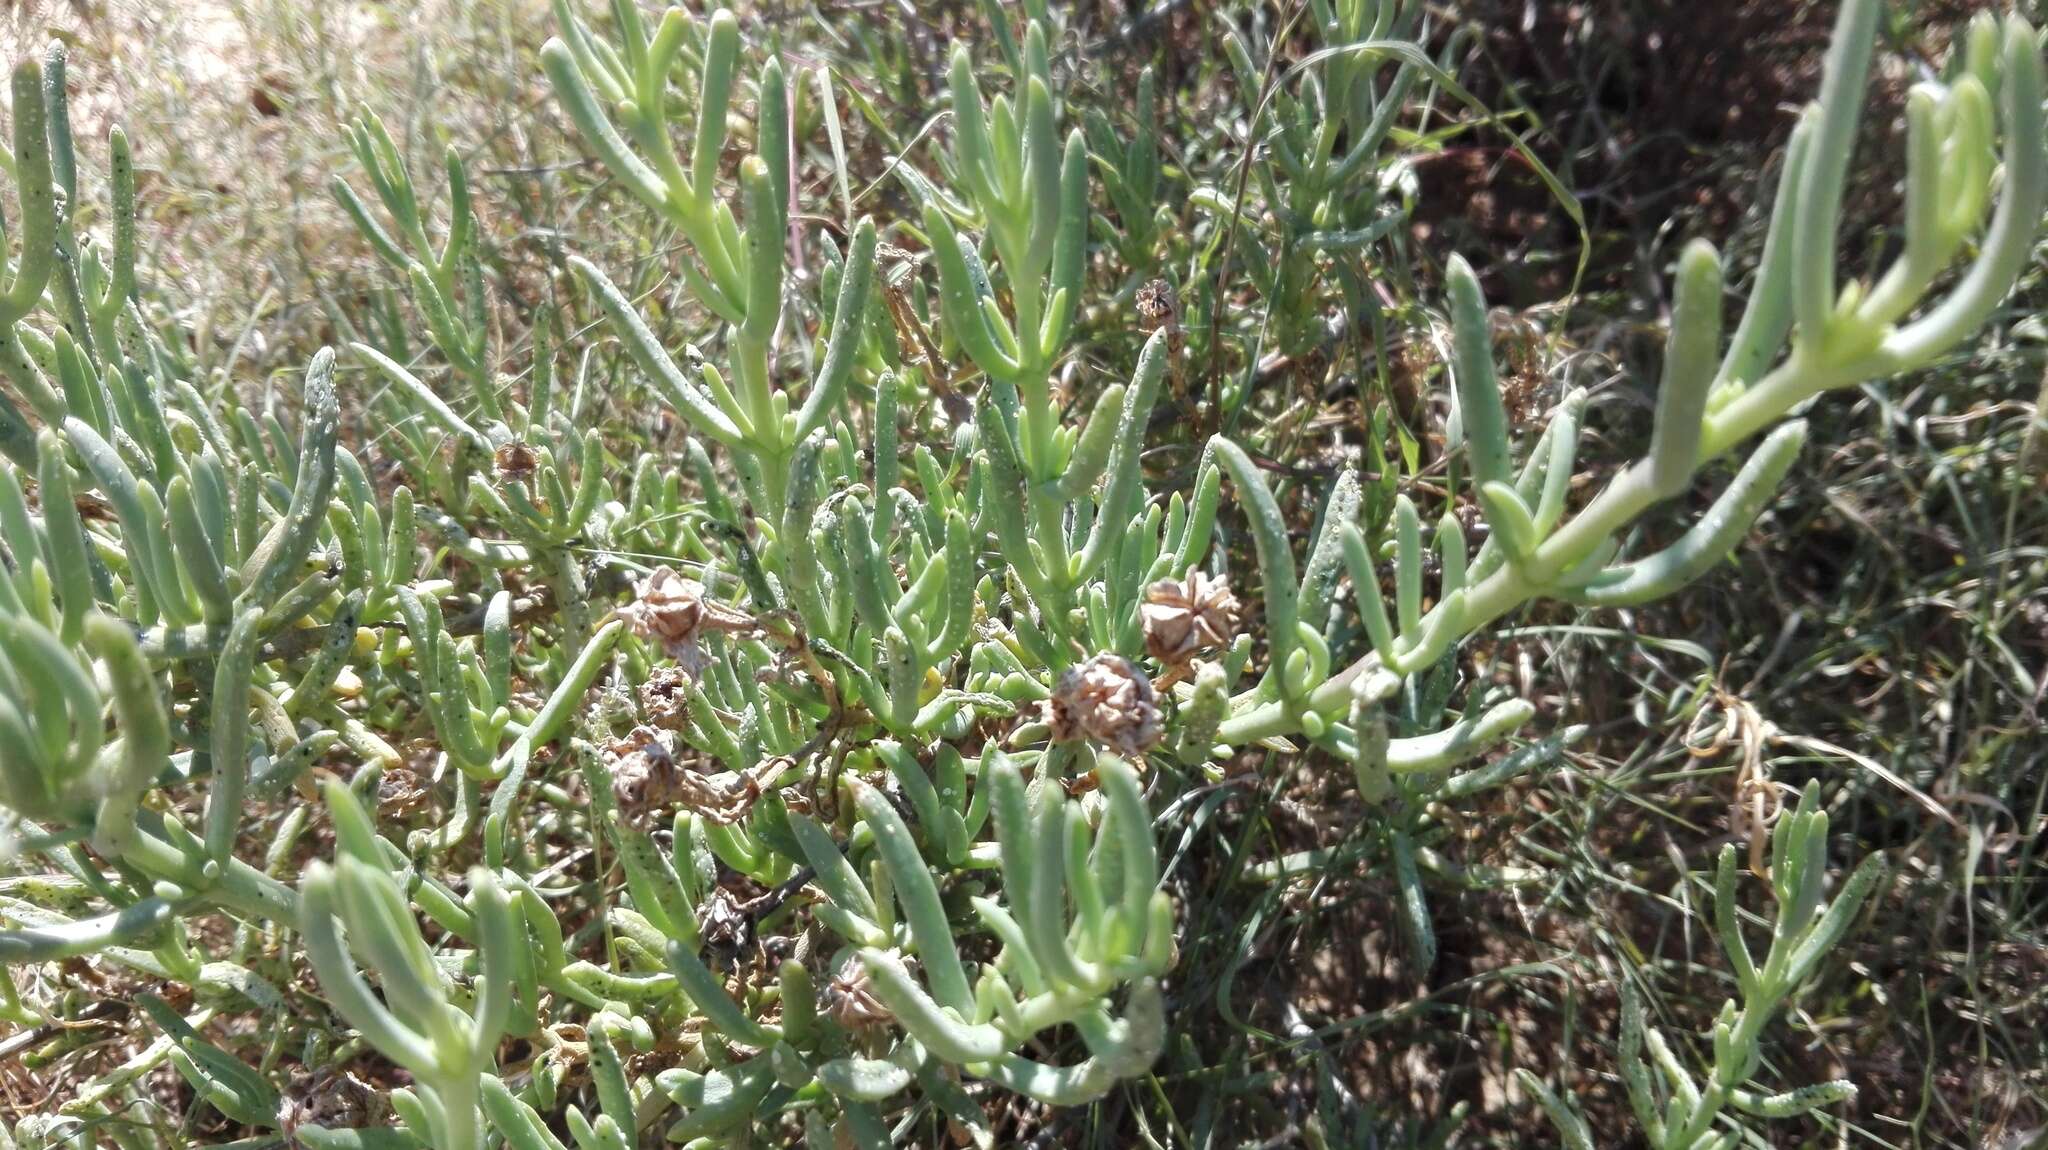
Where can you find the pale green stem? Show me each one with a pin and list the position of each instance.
(1621, 503)
(757, 397)
(458, 1095)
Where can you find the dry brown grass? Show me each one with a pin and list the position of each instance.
(237, 109)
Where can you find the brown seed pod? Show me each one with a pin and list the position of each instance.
(1109, 700)
(516, 461)
(675, 611)
(1185, 617)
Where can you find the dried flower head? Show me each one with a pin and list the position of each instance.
(645, 776)
(1157, 306)
(665, 697)
(516, 461)
(675, 611)
(329, 1098)
(402, 789)
(1107, 699)
(850, 1001)
(727, 928)
(1185, 617)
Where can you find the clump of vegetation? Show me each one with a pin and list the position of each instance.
(761, 731)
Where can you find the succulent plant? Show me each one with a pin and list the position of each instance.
(1327, 173)
(884, 653)
(1828, 338)
(1674, 1107)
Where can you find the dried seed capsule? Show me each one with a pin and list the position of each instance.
(674, 611)
(1185, 617)
(1107, 699)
